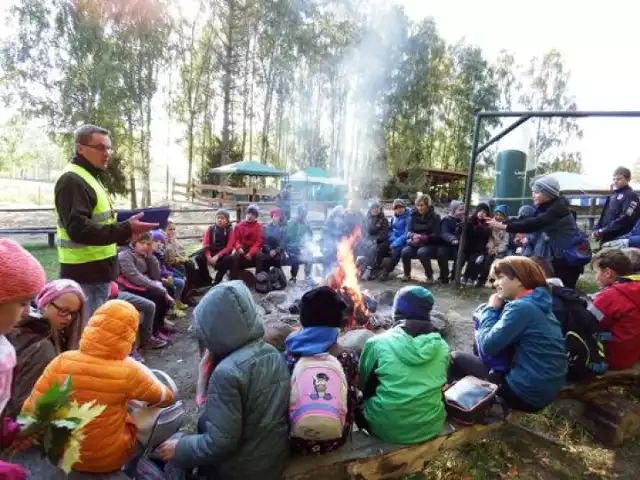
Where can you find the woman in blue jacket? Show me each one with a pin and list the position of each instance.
(397, 235)
(519, 318)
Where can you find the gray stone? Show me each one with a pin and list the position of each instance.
(355, 339)
(277, 297)
(385, 297)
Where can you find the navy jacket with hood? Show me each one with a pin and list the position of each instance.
(450, 226)
(243, 430)
(618, 215)
(556, 224)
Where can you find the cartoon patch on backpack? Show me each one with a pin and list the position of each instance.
(321, 385)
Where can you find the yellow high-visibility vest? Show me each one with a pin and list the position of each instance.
(71, 252)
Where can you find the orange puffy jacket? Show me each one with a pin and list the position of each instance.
(101, 370)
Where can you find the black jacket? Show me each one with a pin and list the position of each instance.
(450, 229)
(478, 234)
(428, 224)
(75, 201)
(377, 228)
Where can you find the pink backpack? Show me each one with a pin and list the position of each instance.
(318, 406)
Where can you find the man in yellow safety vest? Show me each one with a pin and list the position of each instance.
(87, 231)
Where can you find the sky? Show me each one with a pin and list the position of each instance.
(599, 41)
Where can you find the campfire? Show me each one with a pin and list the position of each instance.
(344, 279)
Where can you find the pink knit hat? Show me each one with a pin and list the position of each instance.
(22, 275)
(56, 289)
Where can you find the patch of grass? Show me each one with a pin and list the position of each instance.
(48, 258)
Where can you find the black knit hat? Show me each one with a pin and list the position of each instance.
(485, 207)
(322, 307)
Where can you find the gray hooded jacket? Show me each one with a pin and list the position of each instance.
(243, 431)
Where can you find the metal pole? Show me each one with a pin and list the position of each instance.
(467, 198)
(502, 134)
(563, 114)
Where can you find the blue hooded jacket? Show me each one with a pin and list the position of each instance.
(634, 236)
(398, 230)
(528, 325)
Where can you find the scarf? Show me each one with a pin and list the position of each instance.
(310, 341)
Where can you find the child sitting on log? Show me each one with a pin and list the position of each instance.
(617, 307)
(402, 372)
(216, 252)
(101, 371)
(322, 315)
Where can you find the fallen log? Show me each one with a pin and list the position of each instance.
(593, 388)
(365, 457)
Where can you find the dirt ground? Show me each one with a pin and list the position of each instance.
(568, 453)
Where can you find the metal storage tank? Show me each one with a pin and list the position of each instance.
(511, 187)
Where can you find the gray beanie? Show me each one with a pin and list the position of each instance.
(398, 202)
(548, 185)
(224, 213)
(454, 205)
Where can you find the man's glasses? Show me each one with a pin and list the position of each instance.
(65, 312)
(99, 148)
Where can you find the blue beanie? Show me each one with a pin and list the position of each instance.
(526, 211)
(503, 209)
(413, 303)
(548, 185)
(253, 209)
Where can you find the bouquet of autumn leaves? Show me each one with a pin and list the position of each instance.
(56, 426)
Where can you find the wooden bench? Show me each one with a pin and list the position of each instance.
(49, 231)
(364, 457)
(611, 419)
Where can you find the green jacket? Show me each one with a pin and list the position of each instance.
(409, 373)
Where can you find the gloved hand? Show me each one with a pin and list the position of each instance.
(620, 243)
(480, 259)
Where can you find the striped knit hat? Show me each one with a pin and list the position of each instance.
(22, 275)
(413, 303)
(548, 185)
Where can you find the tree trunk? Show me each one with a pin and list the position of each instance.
(226, 86)
(190, 127)
(245, 98)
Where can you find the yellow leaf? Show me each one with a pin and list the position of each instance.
(86, 413)
(71, 455)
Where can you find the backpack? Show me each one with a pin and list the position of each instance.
(469, 400)
(318, 403)
(277, 279)
(585, 352)
(263, 283)
(578, 254)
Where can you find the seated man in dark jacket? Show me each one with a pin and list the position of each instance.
(478, 234)
(243, 432)
(375, 240)
(423, 237)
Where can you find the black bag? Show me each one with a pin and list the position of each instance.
(469, 400)
(277, 279)
(263, 282)
(585, 352)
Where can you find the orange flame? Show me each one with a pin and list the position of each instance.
(346, 276)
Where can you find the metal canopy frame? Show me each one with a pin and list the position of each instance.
(476, 150)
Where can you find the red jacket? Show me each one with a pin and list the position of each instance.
(619, 305)
(247, 236)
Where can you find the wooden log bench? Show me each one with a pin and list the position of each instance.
(601, 407)
(364, 457)
(49, 231)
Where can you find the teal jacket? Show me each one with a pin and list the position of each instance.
(406, 406)
(529, 326)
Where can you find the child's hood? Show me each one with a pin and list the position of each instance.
(417, 350)
(541, 297)
(111, 331)
(227, 319)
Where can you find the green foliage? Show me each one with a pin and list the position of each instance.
(213, 159)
